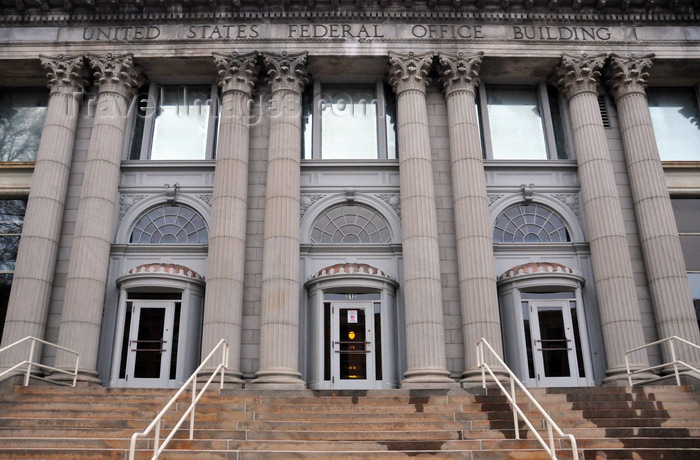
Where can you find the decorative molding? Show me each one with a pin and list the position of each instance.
(286, 71)
(409, 71)
(127, 201)
(577, 74)
(119, 11)
(67, 74)
(627, 74)
(493, 197)
(459, 71)
(307, 200)
(571, 200)
(237, 72)
(205, 197)
(393, 200)
(117, 73)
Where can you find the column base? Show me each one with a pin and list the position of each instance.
(472, 378)
(232, 378)
(617, 377)
(85, 378)
(277, 379)
(428, 379)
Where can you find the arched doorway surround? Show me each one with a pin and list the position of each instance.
(352, 328)
(544, 325)
(158, 327)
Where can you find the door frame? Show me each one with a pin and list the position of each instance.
(574, 379)
(132, 344)
(314, 359)
(188, 289)
(515, 336)
(367, 347)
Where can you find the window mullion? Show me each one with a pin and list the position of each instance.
(547, 119)
(485, 125)
(316, 122)
(212, 121)
(381, 121)
(150, 117)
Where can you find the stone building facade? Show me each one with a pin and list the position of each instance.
(351, 194)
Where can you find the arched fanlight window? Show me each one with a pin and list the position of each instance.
(529, 223)
(350, 224)
(170, 224)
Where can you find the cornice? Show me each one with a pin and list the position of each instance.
(541, 11)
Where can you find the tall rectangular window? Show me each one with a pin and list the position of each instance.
(521, 123)
(22, 113)
(175, 123)
(349, 122)
(11, 222)
(676, 120)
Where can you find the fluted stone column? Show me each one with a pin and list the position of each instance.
(425, 334)
(117, 79)
(577, 77)
(663, 257)
(36, 258)
(477, 281)
(279, 323)
(223, 307)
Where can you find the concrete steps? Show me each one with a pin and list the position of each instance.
(42, 422)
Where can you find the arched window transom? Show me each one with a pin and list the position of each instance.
(170, 224)
(531, 223)
(350, 224)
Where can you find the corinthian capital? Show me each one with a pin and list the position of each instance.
(117, 73)
(237, 72)
(627, 74)
(286, 71)
(459, 71)
(578, 74)
(409, 71)
(67, 74)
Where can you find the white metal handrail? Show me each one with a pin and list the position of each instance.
(158, 447)
(551, 426)
(31, 363)
(675, 362)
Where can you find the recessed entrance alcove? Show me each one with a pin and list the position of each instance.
(352, 328)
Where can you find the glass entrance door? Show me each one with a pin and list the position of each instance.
(555, 343)
(151, 353)
(354, 349)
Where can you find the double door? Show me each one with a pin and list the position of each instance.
(555, 352)
(355, 345)
(150, 348)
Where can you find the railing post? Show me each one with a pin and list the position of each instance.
(480, 361)
(75, 375)
(675, 361)
(194, 397)
(515, 411)
(627, 363)
(553, 452)
(156, 440)
(29, 364)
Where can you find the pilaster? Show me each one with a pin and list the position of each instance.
(38, 248)
(663, 257)
(477, 282)
(223, 307)
(117, 79)
(577, 77)
(279, 322)
(425, 335)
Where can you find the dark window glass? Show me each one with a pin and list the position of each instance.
(22, 113)
(11, 222)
